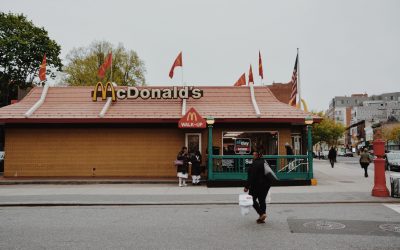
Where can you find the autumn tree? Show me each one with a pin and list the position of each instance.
(22, 46)
(327, 130)
(391, 133)
(83, 64)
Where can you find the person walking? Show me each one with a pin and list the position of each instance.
(258, 186)
(183, 168)
(332, 156)
(365, 160)
(195, 159)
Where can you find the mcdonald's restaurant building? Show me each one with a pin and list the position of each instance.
(119, 131)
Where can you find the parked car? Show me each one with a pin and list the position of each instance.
(348, 153)
(393, 161)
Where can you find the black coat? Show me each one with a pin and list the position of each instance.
(256, 180)
(185, 167)
(196, 161)
(332, 154)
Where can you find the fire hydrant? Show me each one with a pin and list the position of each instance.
(380, 189)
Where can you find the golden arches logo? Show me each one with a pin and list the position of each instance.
(105, 91)
(192, 116)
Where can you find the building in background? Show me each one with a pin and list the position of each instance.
(362, 114)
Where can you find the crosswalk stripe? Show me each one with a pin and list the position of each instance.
(395, 207)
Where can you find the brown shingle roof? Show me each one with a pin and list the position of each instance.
(74, 105)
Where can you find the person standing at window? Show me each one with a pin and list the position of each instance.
(183, 169)
(195, 159)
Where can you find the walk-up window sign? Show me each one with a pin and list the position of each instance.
(192, 119)
(242, 146)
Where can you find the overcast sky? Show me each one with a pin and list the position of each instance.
(345, 46)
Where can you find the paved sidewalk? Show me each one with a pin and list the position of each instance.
(343, 184)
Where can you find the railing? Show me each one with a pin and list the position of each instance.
(286, 167)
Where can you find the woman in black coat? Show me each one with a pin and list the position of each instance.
(183, 169)
(258, 186)
(196, 161)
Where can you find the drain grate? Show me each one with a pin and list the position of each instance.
(324, 225)
(390, 227)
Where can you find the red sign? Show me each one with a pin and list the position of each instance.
(192, 119)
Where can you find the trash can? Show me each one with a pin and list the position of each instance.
(395, 185)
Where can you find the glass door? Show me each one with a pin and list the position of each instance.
(193, 142)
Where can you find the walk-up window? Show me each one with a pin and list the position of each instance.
(246, 142)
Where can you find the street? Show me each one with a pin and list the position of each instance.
(200, 227)
(338, 213)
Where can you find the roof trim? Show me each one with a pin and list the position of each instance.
(158, 120)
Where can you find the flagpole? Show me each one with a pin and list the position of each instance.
(111, 66)
(298, 77)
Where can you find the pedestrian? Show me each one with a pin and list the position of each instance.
(332, 156)
(182, 169)
(258, 186)
(365, 160)
(289, 151)
(195, 159)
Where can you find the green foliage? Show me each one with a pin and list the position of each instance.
(327, 131)
(22, 46)
(83, 64)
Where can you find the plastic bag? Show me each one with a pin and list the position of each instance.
(245, 202)
(268, 200)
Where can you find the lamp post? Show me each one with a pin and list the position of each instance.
(210, 122)
(309, 121)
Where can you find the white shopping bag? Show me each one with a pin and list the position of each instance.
(245, 202)
(268, 200)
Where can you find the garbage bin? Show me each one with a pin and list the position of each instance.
(395, 185)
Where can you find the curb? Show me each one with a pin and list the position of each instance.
(185, 203)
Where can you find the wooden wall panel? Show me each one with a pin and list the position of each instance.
(92, 152)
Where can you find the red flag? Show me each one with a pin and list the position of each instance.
(241, 81)
(251, 75)
(106, 64)
(178, 62)
(294, 86)
(260, 68)
(42, 69)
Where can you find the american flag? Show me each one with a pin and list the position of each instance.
(294, 84)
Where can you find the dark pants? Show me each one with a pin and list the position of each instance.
(332, 161)
(259, 197)
(365, 167)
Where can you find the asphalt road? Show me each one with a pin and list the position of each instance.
(331, 226)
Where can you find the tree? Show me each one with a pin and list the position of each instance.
(22, 47)
(327, 131)
(391, 133)
(83, 64)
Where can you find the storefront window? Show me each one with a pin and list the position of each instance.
(246, 142)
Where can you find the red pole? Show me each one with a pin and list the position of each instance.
(380, 189)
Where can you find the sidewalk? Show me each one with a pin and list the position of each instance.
(343, 184)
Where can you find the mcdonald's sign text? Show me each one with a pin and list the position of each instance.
(145, 93)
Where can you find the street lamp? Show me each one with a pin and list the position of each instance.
(210, 122)
(308, 120)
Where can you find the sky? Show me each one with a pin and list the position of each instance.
(346, 46)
